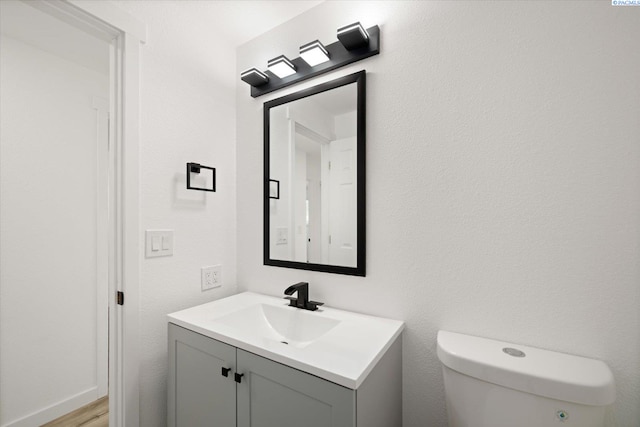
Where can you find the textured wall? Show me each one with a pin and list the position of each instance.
(503, 192)
(187, 115)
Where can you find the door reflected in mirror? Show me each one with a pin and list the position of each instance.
(314, 150)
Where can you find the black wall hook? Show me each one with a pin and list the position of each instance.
(195, 168)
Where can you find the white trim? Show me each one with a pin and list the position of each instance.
(291, 209)
(74, 15)
(114, 17)
(126, 35)
(116, 378)
(311, 134)
(130, 221)
(101, 106)
(123, 351)
(56, 410)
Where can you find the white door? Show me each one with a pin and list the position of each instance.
(342, 201)
(54, 82)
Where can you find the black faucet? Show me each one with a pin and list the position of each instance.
(303, 297)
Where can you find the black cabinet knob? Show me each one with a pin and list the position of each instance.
(238, 377)
(225, 371)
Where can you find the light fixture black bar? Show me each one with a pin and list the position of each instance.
(339, 56)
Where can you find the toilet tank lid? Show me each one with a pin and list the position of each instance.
(541, 372)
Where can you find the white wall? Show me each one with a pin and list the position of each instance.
(48, 265)
(346, 125)
(299, 197)
(503, 180)
(187, 115)
(281, 170)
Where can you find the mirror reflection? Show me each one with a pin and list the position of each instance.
(313, 181)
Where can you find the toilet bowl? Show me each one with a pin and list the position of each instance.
(491, 383)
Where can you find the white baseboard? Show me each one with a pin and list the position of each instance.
(56, 410)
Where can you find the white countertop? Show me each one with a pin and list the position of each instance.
(344, 355)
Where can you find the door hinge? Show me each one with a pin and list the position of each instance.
(329, 165)
(120, 298)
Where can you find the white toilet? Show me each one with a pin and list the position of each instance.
(497, 384)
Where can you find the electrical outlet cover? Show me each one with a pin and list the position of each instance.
(216, 275)
(211, 277)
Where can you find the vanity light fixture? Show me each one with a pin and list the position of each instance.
(281, 66)
(354, 44)
(254, 77)
(314, 53)
(353, 36)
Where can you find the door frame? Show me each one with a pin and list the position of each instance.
(126, 36)
(101, 107)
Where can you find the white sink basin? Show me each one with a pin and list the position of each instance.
(294, 327)
(337, 345)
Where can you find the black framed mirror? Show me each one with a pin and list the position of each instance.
(314, 148)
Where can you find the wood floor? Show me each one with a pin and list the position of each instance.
(95, 414)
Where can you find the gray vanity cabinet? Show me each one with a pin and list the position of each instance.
(274, 395)
(269, 394)
(199, 395)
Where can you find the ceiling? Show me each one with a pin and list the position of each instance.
(236, 22)
(233, 22)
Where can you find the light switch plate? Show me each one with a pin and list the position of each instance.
(282, 235)
(159, 243)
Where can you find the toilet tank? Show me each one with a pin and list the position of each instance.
(492, 383)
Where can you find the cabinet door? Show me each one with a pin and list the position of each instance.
(275, 395)
(199, 395)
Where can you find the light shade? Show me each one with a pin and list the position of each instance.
(281, 66)
(353, 36)
(254, 77)
(314, 53)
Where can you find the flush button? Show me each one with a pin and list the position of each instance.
(513, 352)
(562, 415)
